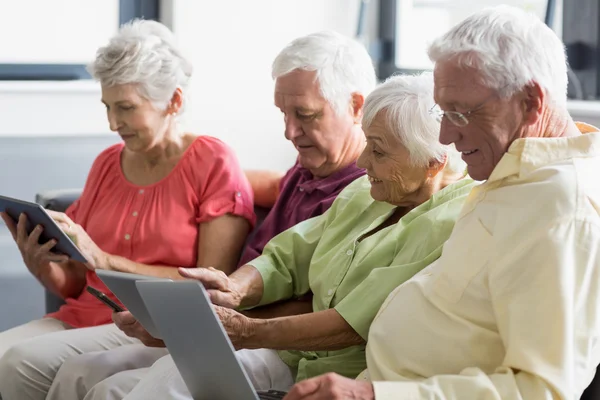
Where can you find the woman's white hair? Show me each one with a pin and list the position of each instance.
(406, 101)
(511, 49)
(143, 53)
(342, 66)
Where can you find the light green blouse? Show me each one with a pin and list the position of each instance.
(323, 255)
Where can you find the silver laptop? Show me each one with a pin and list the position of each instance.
(122, 284)
(198, 342)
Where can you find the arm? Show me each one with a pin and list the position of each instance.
(279, 274)
(220, 243)
(64, 279)
(544, 295)
(320, 331)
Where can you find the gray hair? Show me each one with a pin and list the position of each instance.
(342, 65)
(143, 53)
(511, 49)
(406, 101)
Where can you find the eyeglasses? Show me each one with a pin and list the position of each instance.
(457, 118)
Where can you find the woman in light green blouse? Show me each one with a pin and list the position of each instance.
(380, 231)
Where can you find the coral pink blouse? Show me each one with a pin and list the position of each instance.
(155, 224)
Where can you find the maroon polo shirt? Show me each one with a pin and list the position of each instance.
(301, 197)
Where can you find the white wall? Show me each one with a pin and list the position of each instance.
(232, 44)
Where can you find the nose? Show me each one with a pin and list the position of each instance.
(362, 161)
(449, 133)
(113, 121)
(293, 128)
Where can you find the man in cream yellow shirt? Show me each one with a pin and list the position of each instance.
(510, 309)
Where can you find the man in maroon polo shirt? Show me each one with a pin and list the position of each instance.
(321, 81)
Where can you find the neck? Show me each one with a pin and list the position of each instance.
(554, 122)
(169, 146)
(431, 187)
(353, 148)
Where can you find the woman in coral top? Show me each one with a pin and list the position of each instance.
(161, 199)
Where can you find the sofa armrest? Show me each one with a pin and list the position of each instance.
(57, 200)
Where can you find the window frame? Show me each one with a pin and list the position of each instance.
(128, 10)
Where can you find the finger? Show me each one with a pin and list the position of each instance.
(10, 224)
(209, 278)
(60, 217)
(123, 318)
(57, 258)
(21, 228)
(302, 390)
(220, 298)
(34, 236)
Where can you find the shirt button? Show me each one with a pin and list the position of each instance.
(301, 189)
(349, 252)
(238, 194)
(127, 236)
(329, 292)
(135, 214)
(141, 191)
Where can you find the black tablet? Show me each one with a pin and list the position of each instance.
(37, 215)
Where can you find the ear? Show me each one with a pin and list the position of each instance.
(357, 103)
(533, 103)
(435, 166)
(176, 102)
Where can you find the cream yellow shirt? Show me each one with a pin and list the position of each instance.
(511, 309)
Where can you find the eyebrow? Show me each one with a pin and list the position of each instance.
(117, 102)
(375, 138)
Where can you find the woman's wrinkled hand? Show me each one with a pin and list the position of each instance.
(97, 259)
(222, 290)
(126, 322)
(34, 254)
(239, 328)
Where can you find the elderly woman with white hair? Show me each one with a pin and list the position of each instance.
(161, 199)
(381, 230)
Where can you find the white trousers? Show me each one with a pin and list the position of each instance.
(163, 381)
(36, 351)
(119, 370)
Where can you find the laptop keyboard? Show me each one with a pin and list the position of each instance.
(271, 394)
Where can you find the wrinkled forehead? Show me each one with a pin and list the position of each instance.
(298, 88)
(454, 83)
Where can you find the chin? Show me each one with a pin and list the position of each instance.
(311, 163)
(478, 173)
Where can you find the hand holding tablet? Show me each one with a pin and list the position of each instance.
(37, 231)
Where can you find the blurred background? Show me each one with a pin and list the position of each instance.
(52, 124)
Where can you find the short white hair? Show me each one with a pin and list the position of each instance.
(511, 49)
(143, 53)
(406, 101)
(342, 66)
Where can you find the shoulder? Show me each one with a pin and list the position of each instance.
(107, 159)
(207, 149)
(357, 192)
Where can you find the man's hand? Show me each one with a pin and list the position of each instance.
(132, 328)
(222, 290)
(239, 328)
(331, 387)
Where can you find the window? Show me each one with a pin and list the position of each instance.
(408, 26)
(55, 41)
